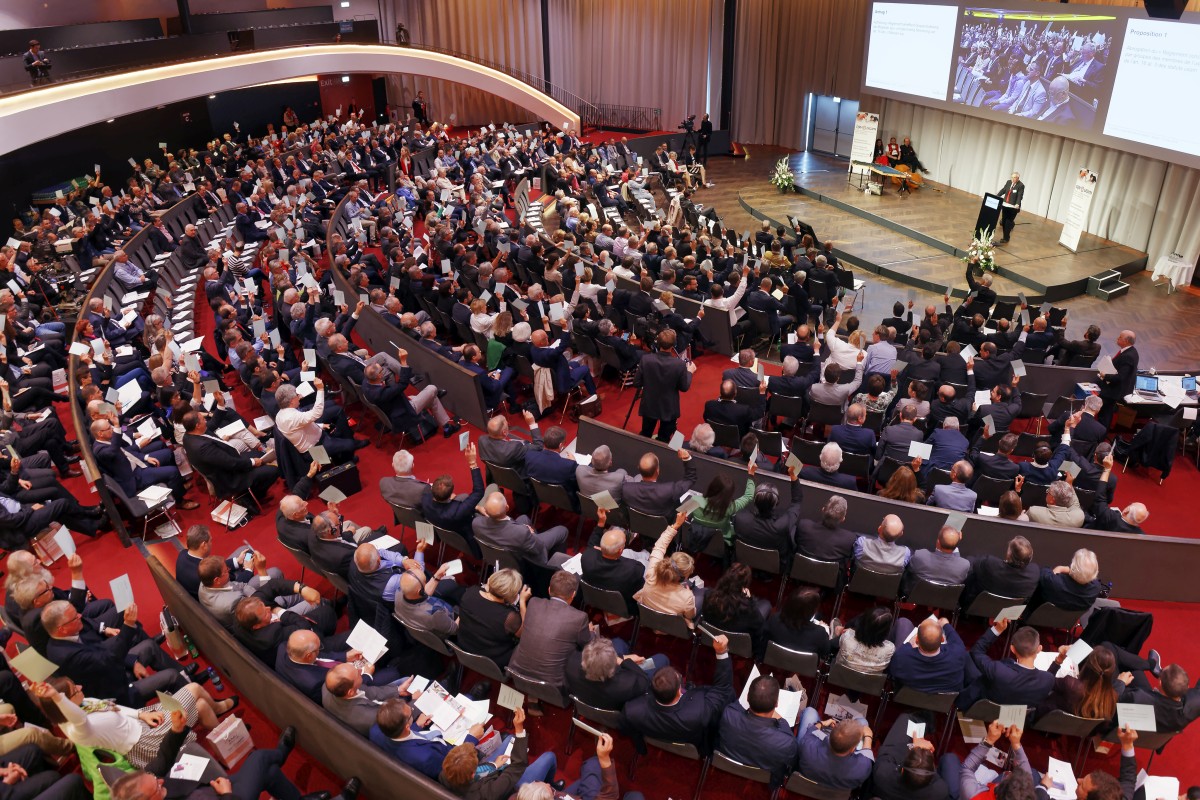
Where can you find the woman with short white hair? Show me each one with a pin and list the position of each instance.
(1073, 588)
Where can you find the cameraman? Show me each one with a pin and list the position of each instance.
(706, 130)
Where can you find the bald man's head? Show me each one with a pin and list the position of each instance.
(648, 466)
(929, 636)
(303, 647)
(496, 507)
(612, 543)
(410, 586)
(891, 529)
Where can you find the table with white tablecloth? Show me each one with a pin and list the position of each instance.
(1177, 272)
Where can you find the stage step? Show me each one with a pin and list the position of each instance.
(1107, 285)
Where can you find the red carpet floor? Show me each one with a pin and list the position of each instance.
(658, 776)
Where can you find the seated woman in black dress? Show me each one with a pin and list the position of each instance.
(795, 625)
(730, 607)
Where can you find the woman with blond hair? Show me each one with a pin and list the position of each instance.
(667, 589)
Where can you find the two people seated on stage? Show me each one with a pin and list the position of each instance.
(894, 154)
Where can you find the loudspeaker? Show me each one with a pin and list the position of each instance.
(1165, 9)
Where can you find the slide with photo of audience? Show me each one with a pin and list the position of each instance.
(1055, 68)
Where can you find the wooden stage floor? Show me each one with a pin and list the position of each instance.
(919, 238)
(1168, 327)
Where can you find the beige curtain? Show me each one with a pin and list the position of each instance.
(786, 49)
(506, 32)
(652, 53)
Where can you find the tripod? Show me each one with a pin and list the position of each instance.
(637, 395)
(689, 135)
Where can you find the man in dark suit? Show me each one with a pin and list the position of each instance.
(655, 497)
(199, 547)
(1015, 575)
(114, 460)
(670, 714)
(191, 250)
(553, 630)
(232, 473)
(1115, 386)
(37, 63)
(756, 735)
(998, 465)
(263, 635)
(703, 138)
(517, 536)
(605, 567)
(763, 300)
(1003, 408)
(1080, 352)
(852, 436)
(1175, 704)
(1011, 194)
(344, 696)
(661, 376)
(894, 440)
(498, 448)
(1087, 431)
(303, 664)
(101, 668)
(420, 109)
(549, 465)
(440, 507)
(1008, 682)
(602, 677)
(902, 324)
(244, 223)
(993, 368)
(387, 391)
(934, 661)
(292, 520)
(825, 539)
(826, 471)
(1104, 518)
(726, 410)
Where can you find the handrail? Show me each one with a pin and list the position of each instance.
(589, 114)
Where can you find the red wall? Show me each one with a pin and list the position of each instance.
(335, 95)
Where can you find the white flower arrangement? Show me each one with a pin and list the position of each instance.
(783, 178)
(982, 251)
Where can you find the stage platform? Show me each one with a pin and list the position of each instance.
(919, 238)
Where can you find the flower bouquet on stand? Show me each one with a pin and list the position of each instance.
(783, 178)
(982, 252)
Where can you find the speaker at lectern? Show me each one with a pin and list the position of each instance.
(989, 214)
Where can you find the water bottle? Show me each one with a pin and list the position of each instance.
(216, 680)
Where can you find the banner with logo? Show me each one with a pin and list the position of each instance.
(866, 131)
(1077, 212)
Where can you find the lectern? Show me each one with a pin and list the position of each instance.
(989, 214)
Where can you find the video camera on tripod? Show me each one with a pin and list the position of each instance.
(688, 124)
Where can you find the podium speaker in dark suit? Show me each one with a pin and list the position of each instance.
(1012, 193)
(1114, 387)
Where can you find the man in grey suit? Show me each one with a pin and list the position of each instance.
(553, 630)
(599, 476)
(403, 489)
(517, 536)
(504, 451)
(942, 564)
(344, 696)
(661, 377)
(830, 390)
(955, 495)
(894, 440)
(219, 594)
(655, 497)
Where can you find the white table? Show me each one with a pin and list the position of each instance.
(1177, 272)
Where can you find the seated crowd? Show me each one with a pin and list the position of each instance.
(437, 258)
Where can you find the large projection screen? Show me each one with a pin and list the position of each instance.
(1102, 74)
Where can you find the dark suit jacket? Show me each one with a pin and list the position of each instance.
(509, 452)
(759, 741)
(332, 555)
(553, 631)
(692, 719)
(406, 491)
(815, 540)
(265, 641)
(814, 473)
(1004, 682)
(1105, 518)
(992, 465)
(512, 535)
(98, 668)
(1089, 431)
(1018, 192)
(1064, 592)
(1115, 387)
(623, 575)
(231, 472)
(853, 438)
(308, 679)
(895, 439)
(940, 673)
(551, 467)
(992, 574)
(660, 498)
(629, 682)
(728, 412)
(662, 377)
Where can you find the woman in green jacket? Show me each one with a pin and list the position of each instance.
(720, 505)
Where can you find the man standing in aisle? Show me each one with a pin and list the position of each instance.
(661, 376)
(1012, 193)
(706, 131)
